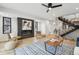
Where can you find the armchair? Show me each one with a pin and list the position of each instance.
(7, 44)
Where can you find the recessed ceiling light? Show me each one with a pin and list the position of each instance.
(77, 8)
(54, 23)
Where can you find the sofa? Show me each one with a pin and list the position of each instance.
(7, 44)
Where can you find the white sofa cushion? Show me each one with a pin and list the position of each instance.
(9, 45)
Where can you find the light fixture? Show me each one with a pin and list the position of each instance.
(49, 8)
(77, 8)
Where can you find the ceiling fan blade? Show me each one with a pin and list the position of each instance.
(56, 6)
(47, 10)
(44, 5)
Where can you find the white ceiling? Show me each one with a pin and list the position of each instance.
(37, 10)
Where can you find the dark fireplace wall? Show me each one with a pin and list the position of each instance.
(25, 33)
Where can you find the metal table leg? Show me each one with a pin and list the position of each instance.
(49, 51)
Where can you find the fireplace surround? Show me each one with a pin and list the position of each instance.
(25, 27)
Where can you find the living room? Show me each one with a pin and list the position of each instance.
(39, 29)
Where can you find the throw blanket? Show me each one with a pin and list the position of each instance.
(38, 48)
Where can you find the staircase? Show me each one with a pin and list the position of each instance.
(72, 26)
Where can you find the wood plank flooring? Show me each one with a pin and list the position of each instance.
(29, 41)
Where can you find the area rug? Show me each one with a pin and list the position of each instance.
(38, 48)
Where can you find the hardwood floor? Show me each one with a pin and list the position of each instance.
(29, 41)
(25, 42)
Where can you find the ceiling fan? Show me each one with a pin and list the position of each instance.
(50, 6)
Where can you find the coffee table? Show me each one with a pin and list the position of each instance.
(52, 44)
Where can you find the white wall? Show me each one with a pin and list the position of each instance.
(43, 28)
(53, 24)
(14, 22)
(1, 25)
(44, 25)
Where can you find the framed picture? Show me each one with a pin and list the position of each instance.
(26, 25)
(6, 25)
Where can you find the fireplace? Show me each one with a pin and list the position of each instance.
(25, 27)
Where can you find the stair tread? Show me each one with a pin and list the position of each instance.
(69, 23)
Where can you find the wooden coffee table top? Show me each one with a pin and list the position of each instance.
(54, 43)
(57, 40)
